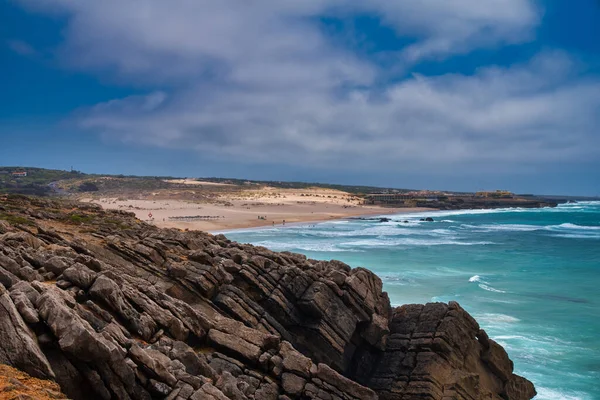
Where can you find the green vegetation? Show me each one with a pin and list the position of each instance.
(38, 180)
(118, 224)
(15, 219)
(35, 183)
(354, 189)
(80, 219)
(88, 187)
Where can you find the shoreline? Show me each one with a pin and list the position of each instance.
(242, 214)
(407, 210)
(295, 220)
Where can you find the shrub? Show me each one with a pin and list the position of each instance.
(88, 187)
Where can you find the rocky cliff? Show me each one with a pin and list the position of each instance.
(110, 307)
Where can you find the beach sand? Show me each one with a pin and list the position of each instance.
(249, 209)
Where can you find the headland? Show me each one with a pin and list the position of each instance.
(109, 306)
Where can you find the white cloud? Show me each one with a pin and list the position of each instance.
(521, 114)
(231, 38)
(258, 81)
(448, 27)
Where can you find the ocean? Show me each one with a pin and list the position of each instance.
(531, 278)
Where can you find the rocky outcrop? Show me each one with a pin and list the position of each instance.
(109, 307)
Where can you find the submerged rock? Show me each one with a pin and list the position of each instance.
(145, 313)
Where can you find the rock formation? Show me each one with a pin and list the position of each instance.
(110, 307)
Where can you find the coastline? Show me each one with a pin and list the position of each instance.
(221, 287)
(500, 264)
(239, 216)
(398, 211)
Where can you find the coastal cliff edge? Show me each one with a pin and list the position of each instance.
(110, 307)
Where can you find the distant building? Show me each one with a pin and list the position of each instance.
(19, 174)
(3, 172)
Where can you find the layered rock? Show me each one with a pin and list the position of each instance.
(115, 308)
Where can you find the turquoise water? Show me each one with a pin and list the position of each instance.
(530, 277)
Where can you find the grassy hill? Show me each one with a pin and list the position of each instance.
(38, 181)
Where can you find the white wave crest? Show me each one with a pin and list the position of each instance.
(508, 227)
(544, 393)
(581, 203)
(569, 227)
(575, 226)
(434, 214)
(410, 242)
(491, 318)
(567, 207)
(578, 236)
(475, 278)
(316, 247)
(490, 289)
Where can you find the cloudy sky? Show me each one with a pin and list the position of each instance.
(440, 94)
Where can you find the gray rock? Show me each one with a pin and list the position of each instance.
(292, 384)
(79, 275)
(17, 345)
(234, 345)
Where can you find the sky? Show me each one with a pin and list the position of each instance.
(429, 94)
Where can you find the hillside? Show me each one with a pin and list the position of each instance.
(110, 307)
(37, 180)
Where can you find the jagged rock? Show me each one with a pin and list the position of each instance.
(293, 361)
(18, 347)
(343, 384)
(57, 265)
(147, 313)
(156, 366)
(228, 385)
(233, 345)
(24, 305)
(24, 272)
(208, 392)
(107, 291)
(8, 279)
(25, 238)
(292, 384)
(79, 275)
(518, 387)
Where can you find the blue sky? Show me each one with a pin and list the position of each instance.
(440, 94)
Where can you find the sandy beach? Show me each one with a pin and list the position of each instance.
(249, 209)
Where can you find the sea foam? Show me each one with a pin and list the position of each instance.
(490, 289)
